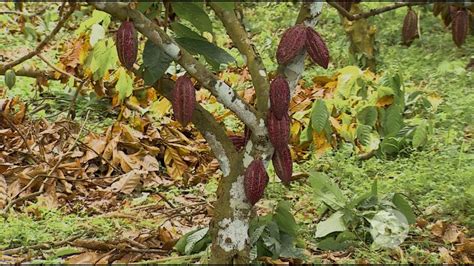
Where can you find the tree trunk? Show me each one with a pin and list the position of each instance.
(229, 227)
(362, 38)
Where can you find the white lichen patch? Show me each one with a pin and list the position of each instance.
(219, 152)
(262, 73)
(171, 49)
(232, 234)
(293, 71)
(238, 198)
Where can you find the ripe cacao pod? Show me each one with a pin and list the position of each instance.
(10, 78)
(317, 48)
(255, 181)
(127, 44)
(283, 164)
(279, 97)
(410, 27)
(460, 27)
(291, 44)
(183, 100)
(278, 130)
(238, 141)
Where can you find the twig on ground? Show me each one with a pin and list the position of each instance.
(47, 245)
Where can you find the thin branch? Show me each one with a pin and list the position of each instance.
(223, 92)
(47, 245)
(241, 40)
(42, 44)
(372, 12)
(57, 69)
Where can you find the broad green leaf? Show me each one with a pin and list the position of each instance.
(393, 120)
(155, 63)
(181, 244)
(213, 54)
(104, 57)
(332, 224)
(404, 207)
(347, 79)
(389, 228)
(124, 84)
(368, 116)
(325, 190)
(285, 219)
(363, 134)
(97, 33)
(194, 238)
(306, 134)
(390, 145)
(66, 251)
(319, 115)
(182, 31)
(420, 136)
(97, 17)
(193, 13)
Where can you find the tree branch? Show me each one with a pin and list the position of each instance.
(223, 92)
(237, 33)
(42, 44)
(372, 12)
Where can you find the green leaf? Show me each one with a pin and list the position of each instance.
(420, 136)
(193, 13)
(332, 224)
(97, 33)
(306, 134)
(325, 190)
(404, 207)
(319, 115)
(124, 84)
(368, 116)
(193, 239)
(104, 57)
(228, 6)
(155, 63)
(390, 145)
(363, 134)
(347, 79)
(393, 120)
(285, 219)
(214, 55)
(182, 31)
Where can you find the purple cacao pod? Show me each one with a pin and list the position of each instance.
(283, 164)
(255, 181)
(279, 97)
(126, 42)
(183, 100)
(410, 27)
(278, 130)
(316, 48)
(238, 141)
(291, 44)
(460, 27)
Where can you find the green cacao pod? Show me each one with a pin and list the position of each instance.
(183, 100)
(279, 97)
(278, 130)
(460, 27)
(291, 44)
(255, 181)
(317, 48)
(283, 164)
(126, 42)
(10, 78)
(410, 27)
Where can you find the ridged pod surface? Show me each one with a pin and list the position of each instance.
(126, 41)
(283, 164)
(255, 181)
(10, 78)
(410, 27)
(316, 48)
(183, 100)
(278, 130)
(279, 97)
(238, 141)
(460, 27)
(291, 44)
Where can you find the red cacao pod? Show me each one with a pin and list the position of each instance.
(126, 42)
(255, 181)
(410, 27)
(291, 44)
(317, 48)
(183, 100)
(460, 27)
(238, 141)
(278, 130)
(283, 164)
(279, 97)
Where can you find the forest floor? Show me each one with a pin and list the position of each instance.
(105, 220)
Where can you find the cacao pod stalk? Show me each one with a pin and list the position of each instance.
(460, 27)
(126, 42)
(279, 97)
(291, 44)
(317, 48)
(283, 164)
(255, 181)
(183, 100)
